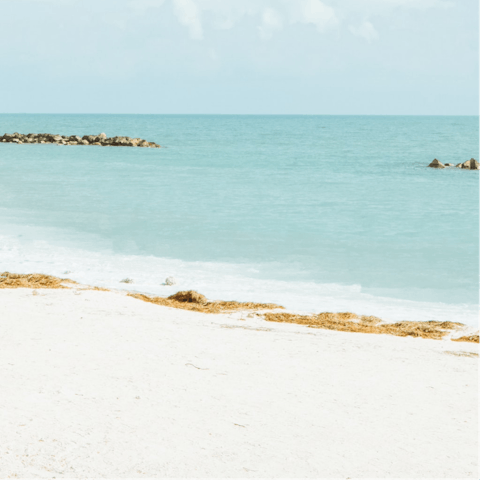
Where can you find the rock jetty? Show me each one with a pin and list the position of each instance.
(471, 164)
(101, 140)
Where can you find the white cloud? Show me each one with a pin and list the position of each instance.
(366, 30)
(226, 13)
(317, 13)
(271, 21)
(188, 14)
(273, 14)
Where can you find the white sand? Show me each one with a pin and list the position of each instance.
(98, 384)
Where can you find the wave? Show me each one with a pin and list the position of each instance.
(29, 250)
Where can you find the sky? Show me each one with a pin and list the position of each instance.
(335, 57)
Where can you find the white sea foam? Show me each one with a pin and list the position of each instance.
(224, 281)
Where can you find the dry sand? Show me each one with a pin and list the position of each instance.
(100, 384)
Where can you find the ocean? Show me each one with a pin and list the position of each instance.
(316, 213)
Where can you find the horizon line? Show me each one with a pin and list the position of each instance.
(262, 114)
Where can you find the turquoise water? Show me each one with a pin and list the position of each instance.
(314, 212)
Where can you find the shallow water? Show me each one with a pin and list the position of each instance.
(313, 212)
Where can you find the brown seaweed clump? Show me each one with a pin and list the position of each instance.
(469, 338)
(349, 322)
(31, 280)
(191, 300)
(190, 296)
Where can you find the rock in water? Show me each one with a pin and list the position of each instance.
(436, 164)
(471, 164)
(449, 165)
(170, 281)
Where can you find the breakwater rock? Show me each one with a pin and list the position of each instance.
(471, 164)
(436, 164)
(101, 140)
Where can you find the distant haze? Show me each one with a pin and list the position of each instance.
(417, 57)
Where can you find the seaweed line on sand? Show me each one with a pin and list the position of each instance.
(32, 280)
(191, 300)
(468, 338)
(344, 322)
(194, 301)
(349, 322)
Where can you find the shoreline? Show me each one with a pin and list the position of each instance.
(97, 384)
(101, 267)
(194, 301)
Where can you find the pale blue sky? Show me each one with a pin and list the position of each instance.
(239, 56)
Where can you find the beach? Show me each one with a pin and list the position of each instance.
(239, 239)
(100, 384)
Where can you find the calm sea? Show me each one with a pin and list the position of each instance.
(313, 212)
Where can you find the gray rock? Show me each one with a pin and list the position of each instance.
(170, 281)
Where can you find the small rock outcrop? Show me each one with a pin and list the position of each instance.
(471, 164)
(170, 281)
(436, 164)
(101, 140)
